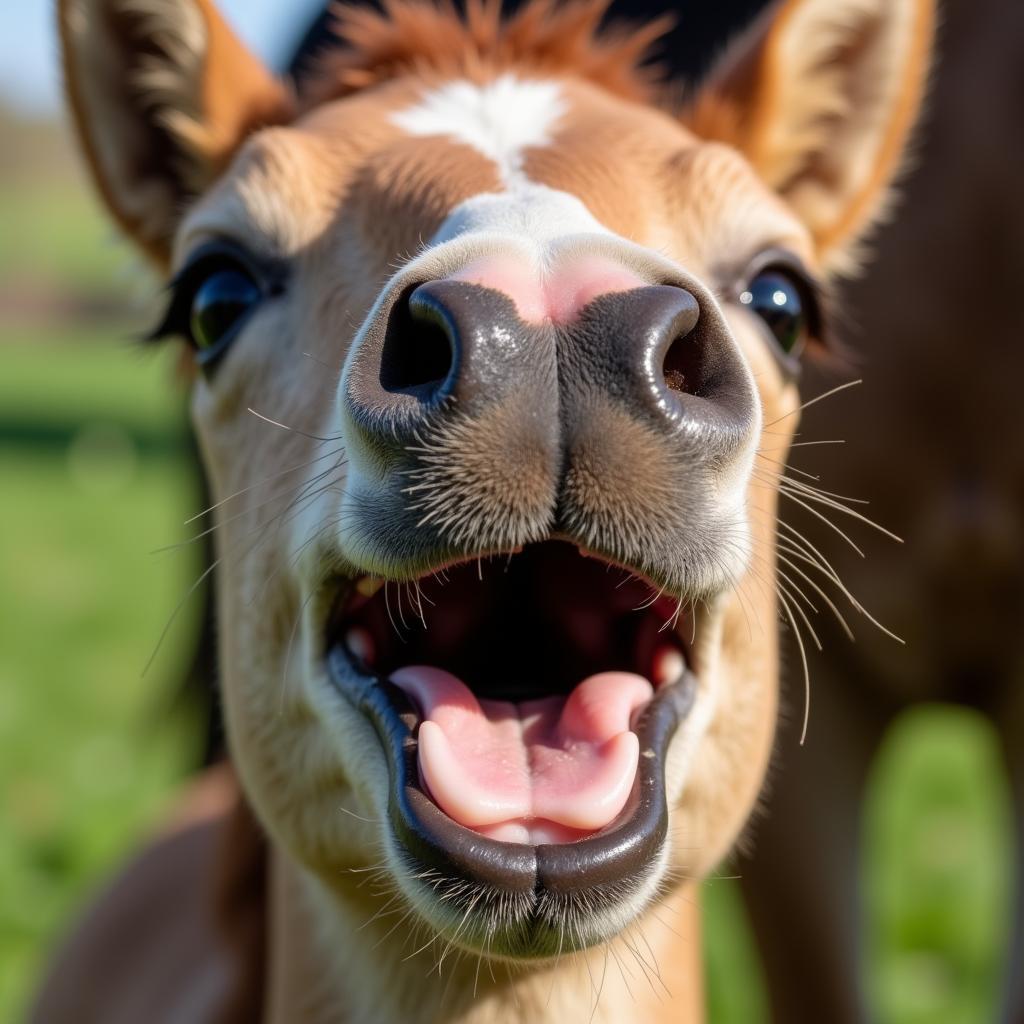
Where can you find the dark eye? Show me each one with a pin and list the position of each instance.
(219, 304)
(781, 302)
(214, 295)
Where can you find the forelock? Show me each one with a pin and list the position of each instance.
(429, 37)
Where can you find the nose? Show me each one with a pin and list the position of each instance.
(453, 339)
(495, 405)
(443, 353)
(652, 352)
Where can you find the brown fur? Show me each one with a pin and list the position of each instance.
(933, 439)
(783, 133)
(544, 37)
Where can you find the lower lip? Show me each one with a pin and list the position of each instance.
(622, 850)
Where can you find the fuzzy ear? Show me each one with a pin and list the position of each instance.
(821, 96)
(161, 93)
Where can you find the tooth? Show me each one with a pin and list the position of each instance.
(360, 643)
(668, 665)
(369, 585)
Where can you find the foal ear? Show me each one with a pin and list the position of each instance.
(821, 96)
(161, 93)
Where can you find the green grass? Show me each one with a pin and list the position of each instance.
(89, 754)
(732, 972)
(937, 866)
(98, 375)
(938, 870)
(88, 750)
(55, 234)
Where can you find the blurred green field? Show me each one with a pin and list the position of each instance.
(88, 749)
(94, 480)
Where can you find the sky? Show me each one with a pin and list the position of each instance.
(29, 77)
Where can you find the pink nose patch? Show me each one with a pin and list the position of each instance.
(558, 296)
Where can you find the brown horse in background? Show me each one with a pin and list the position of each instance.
(933, 438)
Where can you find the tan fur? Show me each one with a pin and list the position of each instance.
(827, 141)
(345, 197)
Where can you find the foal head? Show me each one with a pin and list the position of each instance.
(496, 366)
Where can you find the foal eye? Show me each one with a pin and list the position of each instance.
(213, 296)
(780, 301)
(219, 304)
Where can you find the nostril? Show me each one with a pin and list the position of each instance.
(418, 352)
(683, 365)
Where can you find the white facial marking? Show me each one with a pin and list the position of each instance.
(534, 214)
(499, 119)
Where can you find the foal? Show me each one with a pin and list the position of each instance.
(495, 371)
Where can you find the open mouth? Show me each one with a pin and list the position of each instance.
(526, 703)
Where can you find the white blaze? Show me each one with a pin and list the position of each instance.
(499, 119)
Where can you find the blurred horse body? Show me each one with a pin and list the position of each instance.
(934, 439)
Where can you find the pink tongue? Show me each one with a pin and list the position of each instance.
(543, 771)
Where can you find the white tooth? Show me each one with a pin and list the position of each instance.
(360, 643)
(668, 666)
(369, 585)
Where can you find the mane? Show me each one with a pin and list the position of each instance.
(561, 37)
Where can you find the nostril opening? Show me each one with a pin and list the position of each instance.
(417, 356)
(683, 365)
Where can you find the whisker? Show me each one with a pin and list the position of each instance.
(292, 430)
(807, 672)
(794, 591)
(822, 498)
(248, 510)
(323, 363)
(267, 479)
(814, 401)
(810, 582)
(796, 606)
(828, 522)
(174, 615)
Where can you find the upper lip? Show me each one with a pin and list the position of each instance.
(625, 851)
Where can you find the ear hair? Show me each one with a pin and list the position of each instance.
(821, 96)
(164, 79)
(162, 93)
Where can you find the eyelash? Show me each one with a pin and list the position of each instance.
(184, 286)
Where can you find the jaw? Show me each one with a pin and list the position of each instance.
(507, 899)
(512, 899)
(382, 961)
(320, 778)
